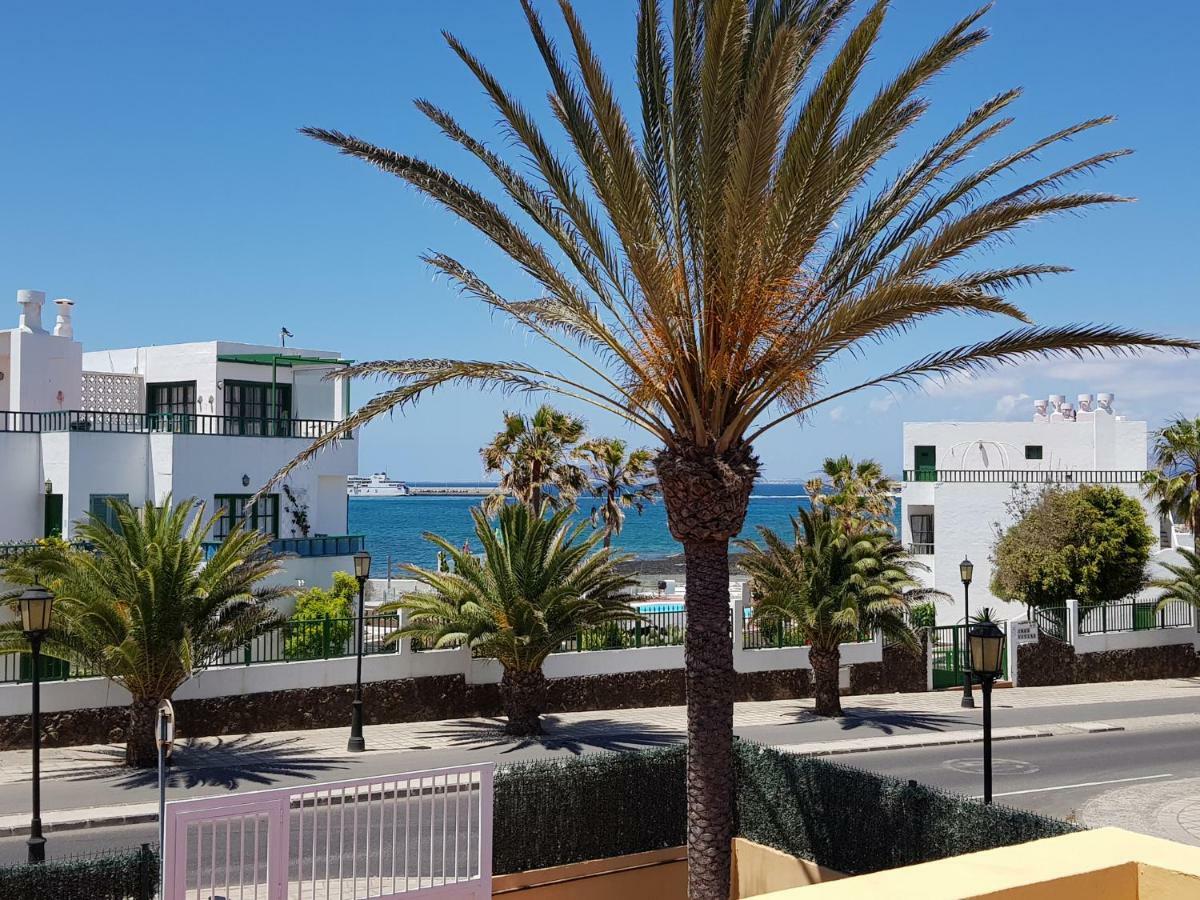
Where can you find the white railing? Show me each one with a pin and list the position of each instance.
(418, 835)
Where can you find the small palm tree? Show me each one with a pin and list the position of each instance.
(533, 453)
(1183, 583)
(618, 480)
(834, 583)
(537, 584)
(858, 492)
(144, 608)
(1175, 483)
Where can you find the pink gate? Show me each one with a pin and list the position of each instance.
(418, 834)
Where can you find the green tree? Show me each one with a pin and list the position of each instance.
(1183, 583)
(1175, 483)
(534, 453)
(619, 480)
(834, 582)
(144, 607)
(858, 492)
(539, 582)
(705, 279)
(1089, 544)
(323, 620)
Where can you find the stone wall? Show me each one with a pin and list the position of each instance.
(903, 670)
(1050, 661)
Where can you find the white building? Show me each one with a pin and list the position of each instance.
(211, 420)
(959, 476)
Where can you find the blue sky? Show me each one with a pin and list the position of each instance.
(150, 169)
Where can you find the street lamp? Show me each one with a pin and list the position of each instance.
(987, 656)
(36, 605)
(362, 571)
(966, 569)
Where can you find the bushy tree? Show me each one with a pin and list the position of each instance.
(1090, 544)
(308, 634)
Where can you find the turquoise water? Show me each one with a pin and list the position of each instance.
(394, 526)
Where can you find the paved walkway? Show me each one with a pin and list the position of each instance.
(88, 786)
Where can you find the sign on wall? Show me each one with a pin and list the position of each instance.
(1026, 632)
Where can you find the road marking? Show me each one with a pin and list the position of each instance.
(1082, 784)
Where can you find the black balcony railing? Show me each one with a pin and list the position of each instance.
(1027, 476)
(321, 545)
(165, 423)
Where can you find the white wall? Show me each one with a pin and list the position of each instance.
(43, 366)
(82, 463)
(21, 487)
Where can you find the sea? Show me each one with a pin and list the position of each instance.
(394, 526)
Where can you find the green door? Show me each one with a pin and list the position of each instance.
(925, 462)
(52, 526)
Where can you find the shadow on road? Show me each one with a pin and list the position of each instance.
(889, 721)
(596, 734)
(227, 763)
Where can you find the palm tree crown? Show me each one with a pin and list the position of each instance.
(533, 453)
(619, 481)
(143, 606)
(1183, 583)
(1175, 484)
(858, 492)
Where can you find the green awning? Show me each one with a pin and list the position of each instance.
(280, 359)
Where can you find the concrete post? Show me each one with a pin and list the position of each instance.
(740, 605)
(929, 635)
(1011, 648)
(1072, 622)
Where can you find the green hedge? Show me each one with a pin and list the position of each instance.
(119, 875)
(857, 822)
(591, 807)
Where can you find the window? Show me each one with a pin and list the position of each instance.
(248, 408)
(99, 507)
(171, 397)
(235, 508)
(1033, 451)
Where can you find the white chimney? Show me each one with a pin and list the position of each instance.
(62, 322)
(1056, 403)
(1104, 403)
(31, 311)
(1085, 402)
(1068, 412)
(1039, 410)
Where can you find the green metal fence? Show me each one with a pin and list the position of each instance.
(168, 423)
(951, 656)
(1052, 621)
(1108, 617)
(663, 628)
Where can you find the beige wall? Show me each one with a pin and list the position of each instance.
(657, 875)
(759, 870)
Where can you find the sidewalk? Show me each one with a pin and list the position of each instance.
(88, 787)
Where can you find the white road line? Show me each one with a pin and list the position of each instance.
(1082, 784)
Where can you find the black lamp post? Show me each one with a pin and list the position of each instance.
(966, 569)
(36, 604)
(987, 658)
(362, 571)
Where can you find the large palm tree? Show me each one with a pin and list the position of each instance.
(701, 278)
(143, 606)
(534, 453)
(834, 582)
(619, 480)
(1182, 583)
(1175, 483)
(539, 582)
(859, 492)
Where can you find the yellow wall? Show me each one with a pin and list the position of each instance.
(758, 869)
(1104, 864)
(657, 875)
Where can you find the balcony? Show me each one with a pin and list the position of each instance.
(320, 545)
(1026, 476)
(920, 548)
(164, 423)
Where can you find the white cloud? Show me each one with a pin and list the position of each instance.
(1007, 403)
(837, 414)
(882, 404)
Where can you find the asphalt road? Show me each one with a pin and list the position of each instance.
(1055, 776)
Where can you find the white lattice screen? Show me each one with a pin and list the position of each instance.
(111, 392)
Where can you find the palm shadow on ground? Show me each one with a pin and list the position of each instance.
(891, 721)
(221, 762)
(577, 738)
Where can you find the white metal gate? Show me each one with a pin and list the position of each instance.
(417, 835)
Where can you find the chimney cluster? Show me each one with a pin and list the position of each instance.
(1056, 408)
(31, 303)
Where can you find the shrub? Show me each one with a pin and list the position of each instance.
(1090, 545)
(105, 876)
(923, 615)
(309, 635)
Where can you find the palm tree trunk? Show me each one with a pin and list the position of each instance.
(523, 695)
(825, 665)
(706, 498)
(140, 747)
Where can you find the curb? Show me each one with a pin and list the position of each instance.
(947, 738)
(139, 817)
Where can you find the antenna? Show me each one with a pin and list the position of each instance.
(284, 334)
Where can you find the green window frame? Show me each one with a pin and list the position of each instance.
(98, 506)
(249, 409)
(234, 509)
(176, 397)
(1033, 451)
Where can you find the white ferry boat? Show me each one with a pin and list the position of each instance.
(377, 485)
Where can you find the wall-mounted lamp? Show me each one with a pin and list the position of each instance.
(245, 481)
(49, 486)
(220, 385)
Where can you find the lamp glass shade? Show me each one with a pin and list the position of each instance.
(986, 646)
(36, 604)
(966, 569)
(362, 564)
